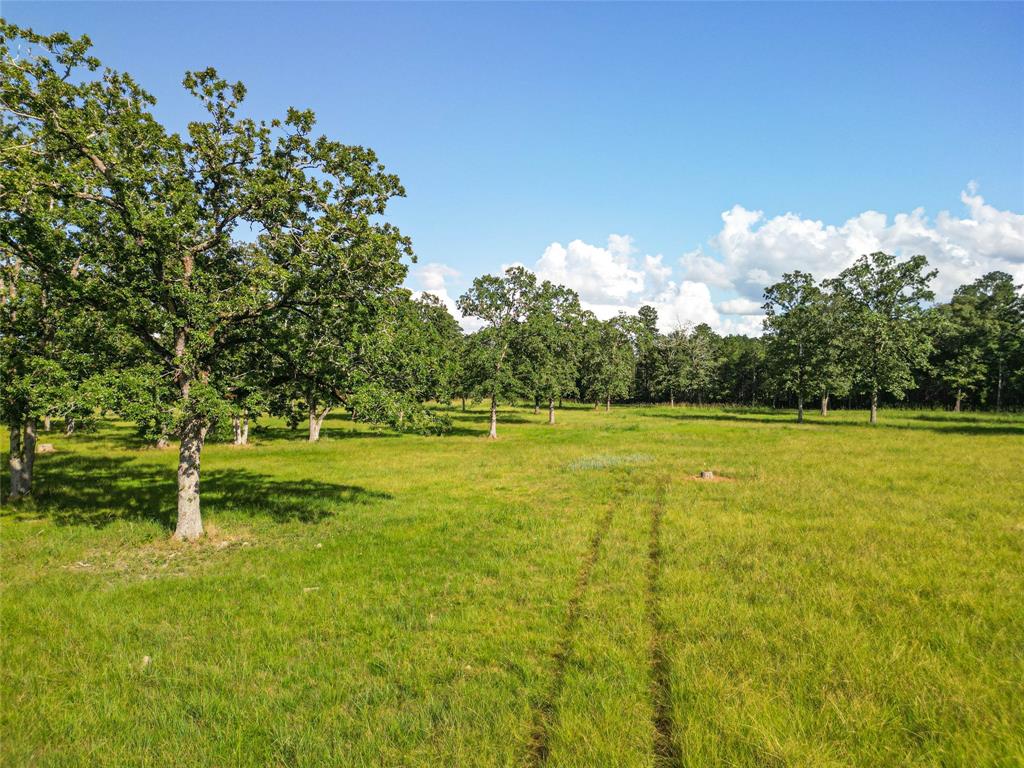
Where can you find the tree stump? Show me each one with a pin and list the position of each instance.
(45, 448)
(707, 474)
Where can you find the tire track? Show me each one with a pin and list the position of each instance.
(539, 747)
(666, 749)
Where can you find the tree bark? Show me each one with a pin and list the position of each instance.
(236, 427)
(959, 398)
(245, 429)
(672, 398)
(607, 403)
(824, 404)
(874, 406)
(14, 461)
(493, 435)
(316, 421)
(799, 409)
(28, 456)
(551, 410)
(46, 423)
(190, 519)
(69, 425)
(536, 406)
(463, 405)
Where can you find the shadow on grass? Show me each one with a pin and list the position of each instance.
(96, 491)
(962, 426)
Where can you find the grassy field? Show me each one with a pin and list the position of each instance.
(565, 596)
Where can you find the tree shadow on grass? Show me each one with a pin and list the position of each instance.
(931, 424)
(75, 489)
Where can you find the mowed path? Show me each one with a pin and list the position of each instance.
(610, 701)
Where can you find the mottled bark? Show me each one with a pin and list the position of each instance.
(240, 427)
(46, 423)
(959, 399)
(551, 410)
(190, 520)
(493, 435)
(14, 461)
(874, 406)
(316, 421)
(28, 456)
(799, 409)
(824, 404)
(69, 425)
(608, 403)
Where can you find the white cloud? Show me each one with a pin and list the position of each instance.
(433, 278)
(755, 250)
(601, 276)
(752, 251)
(739, 306)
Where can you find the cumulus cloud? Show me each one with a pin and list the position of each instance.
(755, 250)
(433, 278)
(751, 251)
(740, 306)
(601, 275)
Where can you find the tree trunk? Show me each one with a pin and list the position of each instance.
(28, 457)
(316, 421)
(161, 443)
(536, 406)
(959, 397)
(824, 404)
(493, 435)
(551, 410)
(463, 405)
(46, 423)
(999, 387)
(874, 406)
(69, 425)
(245, 429)
(672, 398)
(14, 461)
(799, 409)
(190, 520)
(236, 426)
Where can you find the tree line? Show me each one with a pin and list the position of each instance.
(191, 282)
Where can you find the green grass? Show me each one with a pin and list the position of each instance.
(566, 596)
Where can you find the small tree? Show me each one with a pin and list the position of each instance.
(880, 301)
(704, 361)
(794, 331)
(503, 303)
(608, 363)
(649, 359)
(548, 347)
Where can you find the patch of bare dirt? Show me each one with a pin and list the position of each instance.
(163, 557)
(715, 478)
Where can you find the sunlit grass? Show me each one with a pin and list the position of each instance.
(852, 597)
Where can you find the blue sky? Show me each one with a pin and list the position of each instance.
(519, 126)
